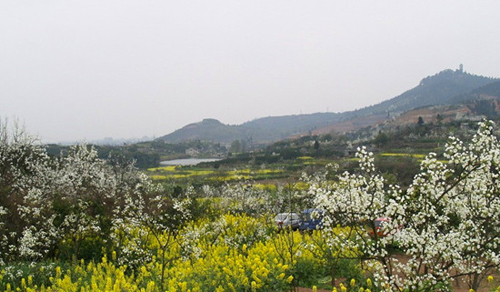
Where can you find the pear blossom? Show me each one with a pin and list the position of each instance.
(445, 222)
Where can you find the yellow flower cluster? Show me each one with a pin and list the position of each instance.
(234, 253)
(227, 269)
(82, 278)
(179, 172)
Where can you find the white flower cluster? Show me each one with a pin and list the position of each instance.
(243, 197)
(445, 223)
(55, 205)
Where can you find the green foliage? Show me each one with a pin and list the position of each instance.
(398, 170)
(88, 248)
(381, 139)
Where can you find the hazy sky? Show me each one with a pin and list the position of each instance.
(84, 70)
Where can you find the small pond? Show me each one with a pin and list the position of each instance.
(188, 161)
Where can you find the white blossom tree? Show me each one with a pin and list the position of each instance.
(26, 175)
(55, 206)
(148, 213)
(445, 224)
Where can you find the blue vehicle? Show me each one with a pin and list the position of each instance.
(311, 219)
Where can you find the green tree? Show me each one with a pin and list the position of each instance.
(316, 145)
(381, 140)
(420, 121)
(235, 146)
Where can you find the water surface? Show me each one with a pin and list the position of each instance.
(188, 161)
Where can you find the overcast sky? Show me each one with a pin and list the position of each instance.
(84, 70)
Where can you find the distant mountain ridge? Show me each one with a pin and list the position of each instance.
(447, 87)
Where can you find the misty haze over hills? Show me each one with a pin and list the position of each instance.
(447, 87)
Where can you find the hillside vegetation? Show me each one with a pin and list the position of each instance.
(449, 87)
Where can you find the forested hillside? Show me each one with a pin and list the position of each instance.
(447, 87)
